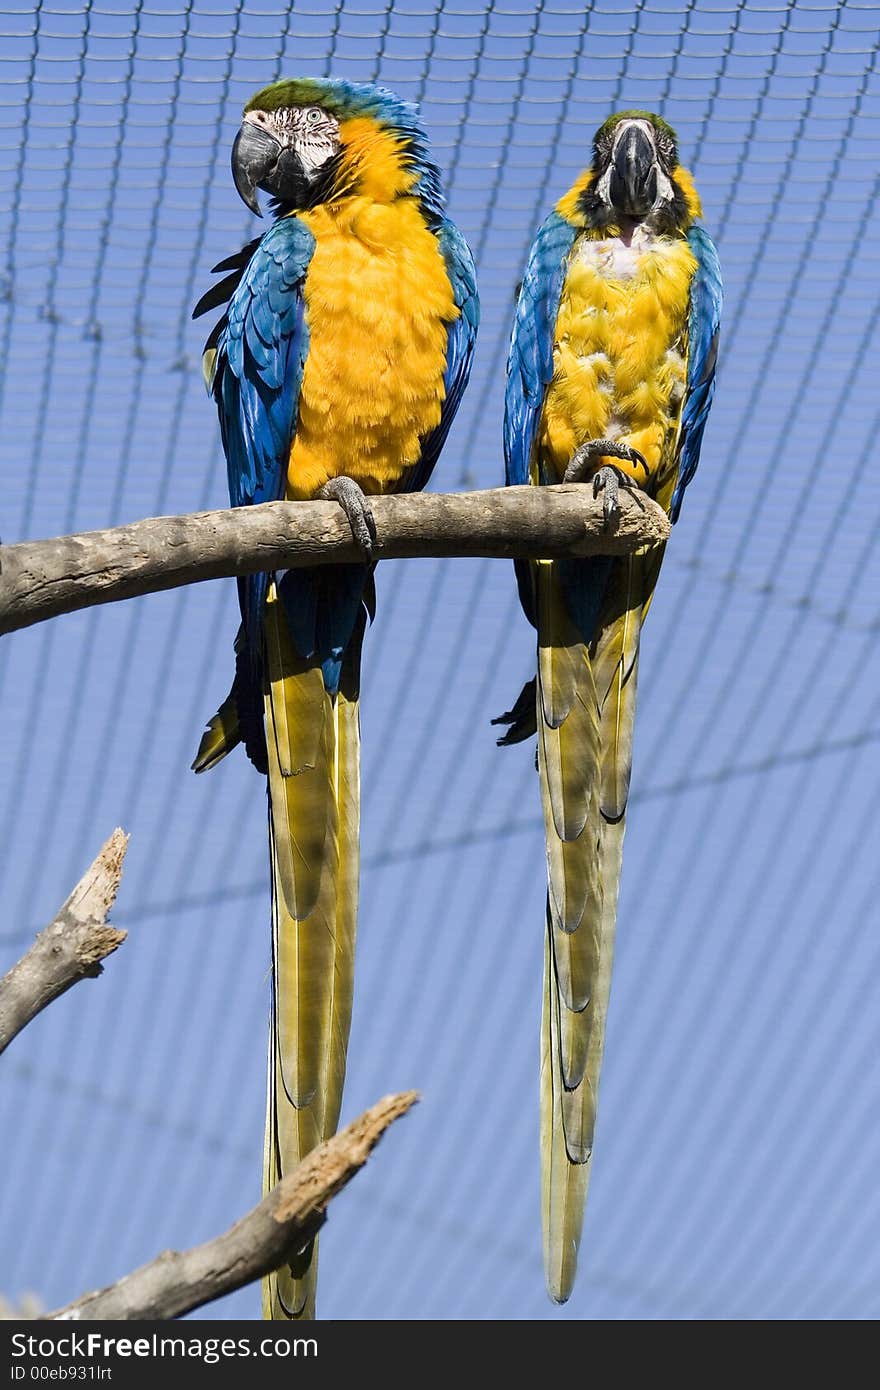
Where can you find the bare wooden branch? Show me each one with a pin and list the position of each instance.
(42, 579)
(272, 1233)
(70, 948)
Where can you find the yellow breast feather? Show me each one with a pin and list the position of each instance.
(619, 350)
(378, 302)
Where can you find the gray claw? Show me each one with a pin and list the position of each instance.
(606, 480)
(357, 509)
(582, 459)
(610, 480)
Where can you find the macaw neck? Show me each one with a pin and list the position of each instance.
(627, 228)
(386, 229)
(374, 167)
(372, 163)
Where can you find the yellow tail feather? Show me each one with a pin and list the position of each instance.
(563, 1183)
(314, 757)
(220, 736)
(585, 706)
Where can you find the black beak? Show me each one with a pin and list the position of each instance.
(255, 154)
(633, 187)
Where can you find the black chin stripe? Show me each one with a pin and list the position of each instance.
(312, 193)
(596, 214)
(672, 216)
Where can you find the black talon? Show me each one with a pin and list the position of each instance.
(357, 509)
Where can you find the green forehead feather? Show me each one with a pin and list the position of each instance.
(656, 121)
(342, 99)
(299, 92)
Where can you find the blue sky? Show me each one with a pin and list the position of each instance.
(737, 1149)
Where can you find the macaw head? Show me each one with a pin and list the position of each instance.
(635, 175)
(307, 141)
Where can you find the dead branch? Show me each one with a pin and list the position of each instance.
(42, 579)
(70, 948)
(270, 1234)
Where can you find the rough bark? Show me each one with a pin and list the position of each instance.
(42, 579)
(177, 1282)
(70, 948)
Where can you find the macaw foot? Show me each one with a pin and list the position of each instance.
(583, 458)
(353, 502)
(522, 719)
(610, 480)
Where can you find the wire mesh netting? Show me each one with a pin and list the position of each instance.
(737, 1149)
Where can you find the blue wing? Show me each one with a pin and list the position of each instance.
(530, 361)
(703, 325)
(462, 335)
(261, 348)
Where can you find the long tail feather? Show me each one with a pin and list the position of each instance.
(563, 1183)
(314, 757)
(585, 707)
(568, 760)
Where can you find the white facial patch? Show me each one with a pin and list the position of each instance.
(603, 187)
(315, 137)
(664, 187)
(309, 130)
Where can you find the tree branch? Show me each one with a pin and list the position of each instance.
(266, 1238)
(70, 948)
(42, 579)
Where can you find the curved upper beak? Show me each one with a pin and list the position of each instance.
(255, 154)
(633, 186)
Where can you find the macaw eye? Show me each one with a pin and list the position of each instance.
(313, 115)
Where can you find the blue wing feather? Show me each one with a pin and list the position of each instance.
(461, 336)
(704, 319)
(261, 353)
(530, 361)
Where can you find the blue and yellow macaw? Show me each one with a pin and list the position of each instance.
(337, 369)
(610, 378)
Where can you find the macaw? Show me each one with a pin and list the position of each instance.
(337, 369)
(610, 377)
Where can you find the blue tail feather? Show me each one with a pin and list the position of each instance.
(322, 605)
